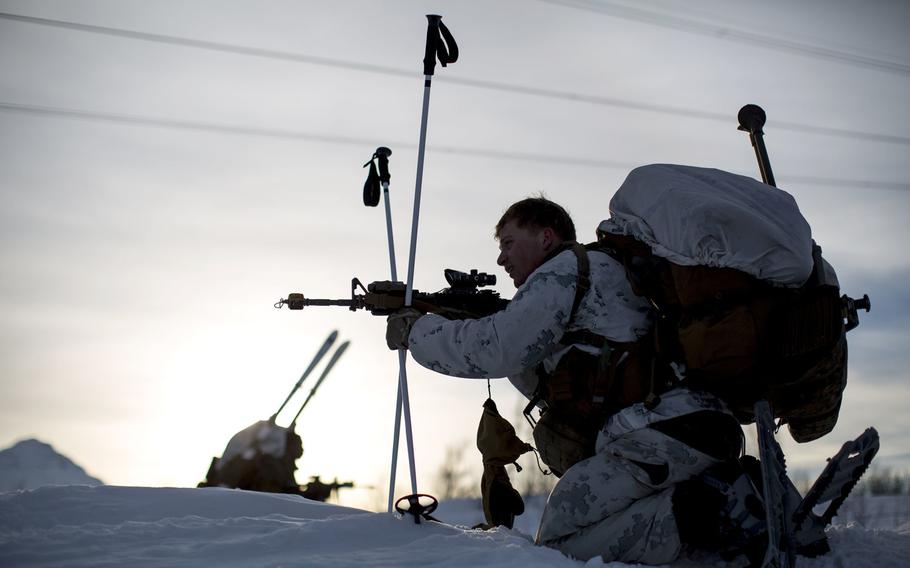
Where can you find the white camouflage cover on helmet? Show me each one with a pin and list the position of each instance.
(701, 216)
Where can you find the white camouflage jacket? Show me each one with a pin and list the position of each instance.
(511, 343)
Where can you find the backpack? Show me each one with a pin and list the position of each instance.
(746, 306)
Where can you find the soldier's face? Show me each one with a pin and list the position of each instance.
(522, 250)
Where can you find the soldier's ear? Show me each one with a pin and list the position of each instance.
(547, 238)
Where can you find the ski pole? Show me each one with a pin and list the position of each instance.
(371, 199)
(337, 355)
(384, 178)
(371, 196)
(752, 119)
(383, 154)
(440, 45)
(319, 355)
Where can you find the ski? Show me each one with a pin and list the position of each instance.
(833, 485)
(792, 525)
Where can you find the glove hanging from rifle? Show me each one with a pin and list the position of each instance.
(499, 446)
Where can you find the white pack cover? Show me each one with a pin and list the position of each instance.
(262, 437)
(701, 216)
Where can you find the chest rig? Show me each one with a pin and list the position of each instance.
(585, 388)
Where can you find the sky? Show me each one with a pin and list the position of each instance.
(158, 196)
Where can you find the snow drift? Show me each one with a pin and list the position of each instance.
(145, 527)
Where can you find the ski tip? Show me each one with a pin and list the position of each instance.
(869, 439)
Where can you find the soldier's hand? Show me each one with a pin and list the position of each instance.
(398, 327)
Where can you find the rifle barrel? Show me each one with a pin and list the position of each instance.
(321, 302)
(296, 301)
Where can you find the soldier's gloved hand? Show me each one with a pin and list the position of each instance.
(398, 327)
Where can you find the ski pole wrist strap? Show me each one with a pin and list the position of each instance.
(440, 44)
(371, 186)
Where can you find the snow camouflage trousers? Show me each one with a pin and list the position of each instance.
(608, 506)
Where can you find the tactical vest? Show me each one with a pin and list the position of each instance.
(584, 388)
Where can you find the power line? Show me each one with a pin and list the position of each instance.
(475, 83)
(719, 31)
(212, 46)
(672, 110)
(331, 139)
(851, 183)
(298, 135)
(178, 124)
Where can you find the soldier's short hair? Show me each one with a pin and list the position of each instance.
(539, 213)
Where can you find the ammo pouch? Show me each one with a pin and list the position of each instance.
(560, 444)
(584, 390)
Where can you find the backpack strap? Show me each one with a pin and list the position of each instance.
(603, 373)
(583, 283)
(612, 354)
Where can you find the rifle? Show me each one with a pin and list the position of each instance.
(462, 299)
(318, 490)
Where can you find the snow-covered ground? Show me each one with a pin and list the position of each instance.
(144, 526)
(69, 521)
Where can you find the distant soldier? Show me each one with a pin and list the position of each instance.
(258, 458)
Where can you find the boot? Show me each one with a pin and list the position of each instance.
(721, 511)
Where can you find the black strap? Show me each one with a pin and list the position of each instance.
(583, 337)
(584, 277)
(371, 186)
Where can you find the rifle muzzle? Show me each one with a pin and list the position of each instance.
(295, 301)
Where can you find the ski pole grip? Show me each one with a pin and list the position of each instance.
(440, 44)
(383, 154)
(751, 119)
